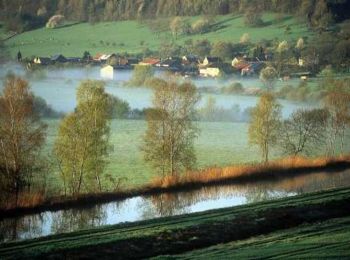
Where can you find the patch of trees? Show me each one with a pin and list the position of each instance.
(28, 13)
(306, 130)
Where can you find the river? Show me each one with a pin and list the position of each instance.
(166, 204)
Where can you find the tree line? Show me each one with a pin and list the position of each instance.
(27, 15)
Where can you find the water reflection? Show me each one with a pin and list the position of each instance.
(168, 204)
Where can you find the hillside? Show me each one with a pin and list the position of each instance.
(134, 37)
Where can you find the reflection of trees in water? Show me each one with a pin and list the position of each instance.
(76, 219)
(166, 204)
(21, 228)
(179, 203)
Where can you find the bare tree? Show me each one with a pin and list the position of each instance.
(169, 139)
(22, 136)
(303, 131)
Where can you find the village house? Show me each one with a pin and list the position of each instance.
(212, 71)
(107, 72)
(42, 60)
(149, 62)
(58, 58)
(189, 60)
(172, 64)
(252, 68)
(210, 60)
(102, 58)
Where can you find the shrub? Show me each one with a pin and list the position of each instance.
(201, 26)
(55, 21)
(234, 88)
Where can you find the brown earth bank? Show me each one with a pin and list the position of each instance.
(240, 174)
(179, 234)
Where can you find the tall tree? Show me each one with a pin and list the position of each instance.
(337, 102)
(268, 76)
(169, 140)
(22, 136)
(82, 144)
(265, 123)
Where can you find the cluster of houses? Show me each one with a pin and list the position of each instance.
(189, 65)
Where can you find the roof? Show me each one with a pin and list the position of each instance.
(213, 59)
(57, 57)
(150, 61)
(190, 58)
(44, 59)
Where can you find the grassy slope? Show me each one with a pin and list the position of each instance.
(328, 239)
(122, 36)
(190, 230)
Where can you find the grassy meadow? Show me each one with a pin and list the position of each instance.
(134, 36)
(218, 144)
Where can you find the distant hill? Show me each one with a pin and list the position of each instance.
(137, 37)
(22, 15)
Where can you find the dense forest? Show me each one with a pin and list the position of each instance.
(21, 15)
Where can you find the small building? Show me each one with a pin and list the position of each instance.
(210, 60)
(107, 72)
(74, 59)
(42, 60)
(149, 61)
(252, 68)
(58, 58)
(103, 58)
(213, 72)
(189, 59)
(172, 64)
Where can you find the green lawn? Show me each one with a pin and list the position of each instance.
(219, 144)
(133, 36)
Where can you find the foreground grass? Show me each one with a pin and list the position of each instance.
(329, 239)
(133, 37)
(193, 231)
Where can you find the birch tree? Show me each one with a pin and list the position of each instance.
(168, 143)
(83, 140)
(265, 124)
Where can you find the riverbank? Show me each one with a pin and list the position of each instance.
(240, 174)
(189, 232)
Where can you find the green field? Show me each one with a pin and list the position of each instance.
(311, 225)
(133, 36)
(219, 144)
(329, 239)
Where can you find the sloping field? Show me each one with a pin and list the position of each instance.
(133, 36)
(329, 239)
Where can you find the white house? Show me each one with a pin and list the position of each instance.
(107, 72)
(210, 72)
